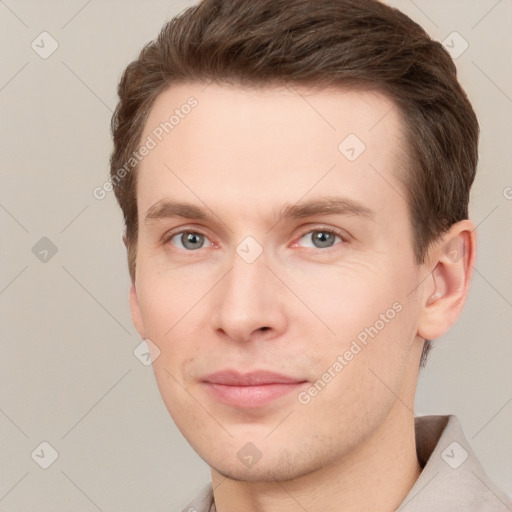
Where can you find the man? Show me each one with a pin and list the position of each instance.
(294, 178)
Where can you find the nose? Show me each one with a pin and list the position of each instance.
(248, 303)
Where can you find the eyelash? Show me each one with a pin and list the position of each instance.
(323, 229)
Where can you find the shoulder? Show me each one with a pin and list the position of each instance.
(203, 502)
(452, 477)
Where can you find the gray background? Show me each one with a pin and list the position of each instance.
(68, 373)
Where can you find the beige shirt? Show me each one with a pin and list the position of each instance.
(451, 480)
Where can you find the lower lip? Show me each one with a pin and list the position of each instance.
(250, 396)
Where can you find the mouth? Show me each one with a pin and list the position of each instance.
(250, 390)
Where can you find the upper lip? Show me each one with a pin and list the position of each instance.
(254, 378)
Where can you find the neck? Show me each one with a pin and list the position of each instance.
(376, 476)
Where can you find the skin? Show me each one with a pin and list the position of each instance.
(244, 154)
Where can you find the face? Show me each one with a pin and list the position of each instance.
(276, 275)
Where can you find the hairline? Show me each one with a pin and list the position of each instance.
(405, 153)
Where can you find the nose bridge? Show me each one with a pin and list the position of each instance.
(247, 297)
(247, 282)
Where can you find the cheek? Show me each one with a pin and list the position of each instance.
(175, 318)
(346, 297)
(370, 315)
(361, 372)
(164, 301)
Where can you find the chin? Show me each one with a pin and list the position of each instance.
(262, 474)
(280, 468)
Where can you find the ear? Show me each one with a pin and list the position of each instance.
(452, 259)
(135, 311)
(134, 303)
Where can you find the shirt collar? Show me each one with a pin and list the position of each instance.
(451, 477)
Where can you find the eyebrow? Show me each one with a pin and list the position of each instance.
(329, 205)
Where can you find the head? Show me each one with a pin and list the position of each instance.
(282, 108)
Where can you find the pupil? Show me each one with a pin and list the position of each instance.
(192, 240)
(323, 239)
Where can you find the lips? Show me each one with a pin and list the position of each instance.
(250, 390)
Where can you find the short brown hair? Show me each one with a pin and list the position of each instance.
(318, 43)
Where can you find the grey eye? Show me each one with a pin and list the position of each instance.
(189, 240)
(320, 239)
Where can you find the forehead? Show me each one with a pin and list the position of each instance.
(260, 145)
(333, 110)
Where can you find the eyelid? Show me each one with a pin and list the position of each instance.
(345, 237)
(168, 235)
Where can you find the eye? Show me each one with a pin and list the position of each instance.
(189, 240)
(320, 238)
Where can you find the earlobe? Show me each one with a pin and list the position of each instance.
(447, 287)
(135, 312)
